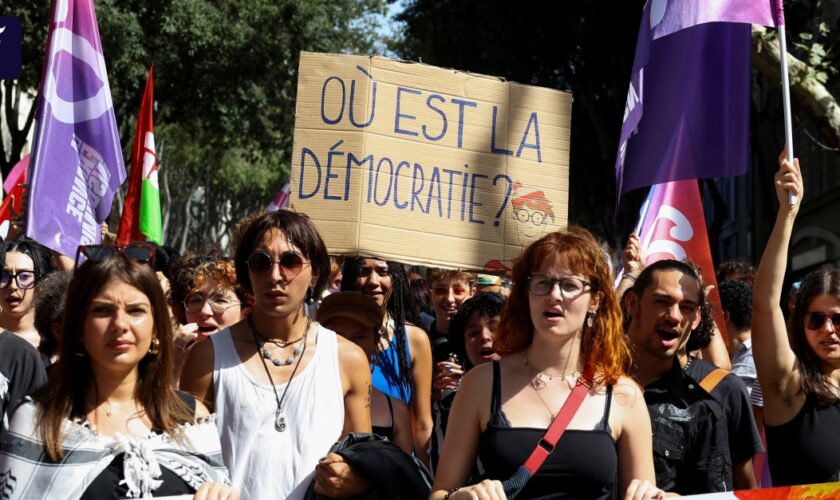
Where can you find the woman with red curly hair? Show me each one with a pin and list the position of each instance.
(562, 320)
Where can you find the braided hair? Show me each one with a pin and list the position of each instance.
(400, 307)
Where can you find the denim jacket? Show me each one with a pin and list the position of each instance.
(690, 440)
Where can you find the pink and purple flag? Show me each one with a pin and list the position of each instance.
(77, 158)
(688, 106)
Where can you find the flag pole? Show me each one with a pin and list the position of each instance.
(786, 101)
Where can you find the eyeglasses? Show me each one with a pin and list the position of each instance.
(570, 287)
(138, 251)
(291, 263)
(25, 279)
(442, 290)
(816, 320)
(194, 303)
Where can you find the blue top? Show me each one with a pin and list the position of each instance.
(386, 375)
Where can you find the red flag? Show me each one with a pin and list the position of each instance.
(130, 220)
(673, 227)
(14, 199)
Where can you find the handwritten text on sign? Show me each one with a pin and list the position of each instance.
(405, 160)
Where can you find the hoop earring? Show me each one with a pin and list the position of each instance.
(154, 349)
(310, 296)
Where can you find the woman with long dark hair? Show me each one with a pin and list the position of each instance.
(109, 424)
(403, 362)
(799, 370)
(26, 262)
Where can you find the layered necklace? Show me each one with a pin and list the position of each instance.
(300, 350)
(541, 380)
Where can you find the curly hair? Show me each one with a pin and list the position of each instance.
(400, 307)
(604, 345)
(736, 298)
(49, 308)
(190, 275)
(814, 381)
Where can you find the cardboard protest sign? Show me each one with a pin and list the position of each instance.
(425, 165)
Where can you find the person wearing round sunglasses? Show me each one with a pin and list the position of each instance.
(562, 322)
(109, 424)
(284, 388)
(25, 263)
(799, 370)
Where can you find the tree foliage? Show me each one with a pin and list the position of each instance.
(225, 85)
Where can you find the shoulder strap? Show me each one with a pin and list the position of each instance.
(561, 421)
(711, 380)
(496, 391)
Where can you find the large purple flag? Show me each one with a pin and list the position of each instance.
(688, 106)
(77, 157)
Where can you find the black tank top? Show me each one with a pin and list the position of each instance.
(583, 465)
(386, 431)
(806, 450)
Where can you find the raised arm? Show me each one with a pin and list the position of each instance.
(633, 261)
(774, 359)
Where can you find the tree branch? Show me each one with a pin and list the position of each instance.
(805, 89)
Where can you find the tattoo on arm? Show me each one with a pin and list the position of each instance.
(369, 392)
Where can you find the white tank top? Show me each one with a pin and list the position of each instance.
(264, 463)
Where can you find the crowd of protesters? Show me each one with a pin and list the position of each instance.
(284, 372)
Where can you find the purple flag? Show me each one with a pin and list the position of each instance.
(77, 157)
(688, 106)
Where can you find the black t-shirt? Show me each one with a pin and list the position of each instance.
(732, 395)
(690, 442)
(21, 372)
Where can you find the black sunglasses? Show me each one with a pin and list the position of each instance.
(291, 263)
(138, 251)
(816, 320)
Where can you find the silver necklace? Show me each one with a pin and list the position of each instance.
(266, 354)
(279, 416)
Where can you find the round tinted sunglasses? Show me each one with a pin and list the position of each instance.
(138, 251)
(291, 263)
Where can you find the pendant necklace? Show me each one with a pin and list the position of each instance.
(279, 417)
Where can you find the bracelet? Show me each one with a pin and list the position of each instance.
(450, 491)
(629, 277)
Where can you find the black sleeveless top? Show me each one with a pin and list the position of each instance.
(386, 431)
(806, 450)
(583, 465)
(106, 485)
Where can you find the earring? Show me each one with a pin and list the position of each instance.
(80, 351)
(590, 319)
(154, 349)
(310, 295)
